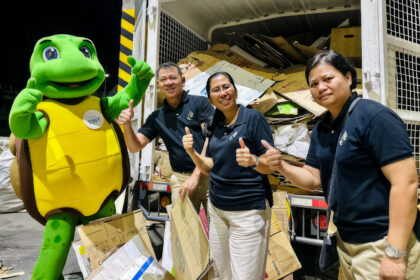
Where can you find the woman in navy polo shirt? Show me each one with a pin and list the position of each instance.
(374, 196)
(240, 194)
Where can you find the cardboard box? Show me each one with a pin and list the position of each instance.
(100, 236)
(348, 42)
(189, 243)
(281, 209)
(265, 102)
(281, 259)
(82, 259)
(295, 80)
(304, 99)
(131, 261)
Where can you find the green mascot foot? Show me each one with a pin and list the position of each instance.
(58, 235)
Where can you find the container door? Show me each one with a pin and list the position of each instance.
(391, 60)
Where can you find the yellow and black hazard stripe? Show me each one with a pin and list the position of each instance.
(126, 46)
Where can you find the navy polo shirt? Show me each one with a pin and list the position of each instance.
(233, 187)
(373, 136)
(169, 124)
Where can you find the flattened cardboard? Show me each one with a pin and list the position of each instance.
(304, 99)
(265, 102)
(100, 236)
(288, 49)
(280, 210)
(281, 259)
(82, 258)
(190, 247)
(295, 81)
(131, 261)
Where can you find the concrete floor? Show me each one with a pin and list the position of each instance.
(20, 241)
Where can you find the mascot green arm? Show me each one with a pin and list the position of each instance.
(24, 120)
(142, 73)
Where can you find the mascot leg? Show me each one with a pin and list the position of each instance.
(106, 211)
(58, 235)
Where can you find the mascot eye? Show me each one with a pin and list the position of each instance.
(50, 53)
(86, 52)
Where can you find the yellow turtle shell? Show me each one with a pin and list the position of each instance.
(76, 165)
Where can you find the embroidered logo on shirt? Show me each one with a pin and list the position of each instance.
(190, 116)
(343, 138)
(233, 135)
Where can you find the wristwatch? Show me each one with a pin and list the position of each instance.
(256, 162)
(393, 252)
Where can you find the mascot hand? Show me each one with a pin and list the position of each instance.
(142, 73)
(141, 69)
(24, 121)
(28, 99)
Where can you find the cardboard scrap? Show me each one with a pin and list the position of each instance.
(281, 258)
(82, 259)
(4, 272)
(100, 236)
(304, 99)
(295, 81)
(131, 261)
(288, 49)
(265, 102)
(281, 209)
(189, 243)
(308, 51)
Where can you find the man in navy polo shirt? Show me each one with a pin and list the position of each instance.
(180, 110)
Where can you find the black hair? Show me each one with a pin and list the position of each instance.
(169, 65)
(218, 116)
(335, 59)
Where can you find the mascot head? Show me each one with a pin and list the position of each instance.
(66, 66)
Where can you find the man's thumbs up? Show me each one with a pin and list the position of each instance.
(130, 106)
(188, 141)
(126, 115)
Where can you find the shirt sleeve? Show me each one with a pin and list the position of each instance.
(205, 110)
(387, 139)
(260, 131)
(148, 129)
(311, 158)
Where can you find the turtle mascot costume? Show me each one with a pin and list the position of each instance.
(71, 159)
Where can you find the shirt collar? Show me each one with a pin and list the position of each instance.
(327, 121)
(184, 99)
(239, 120)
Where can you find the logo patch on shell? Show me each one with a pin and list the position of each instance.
(93, 119)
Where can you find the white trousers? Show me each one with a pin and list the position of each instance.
(238, 242)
